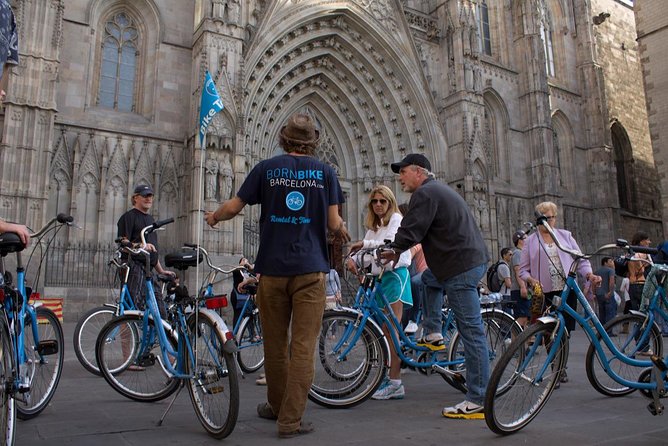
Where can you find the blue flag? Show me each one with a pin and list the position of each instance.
(209, 105)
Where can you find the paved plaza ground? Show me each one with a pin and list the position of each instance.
(86, 411)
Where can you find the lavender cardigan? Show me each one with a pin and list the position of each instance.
(535, 263)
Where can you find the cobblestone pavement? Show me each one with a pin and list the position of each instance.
(86, 411)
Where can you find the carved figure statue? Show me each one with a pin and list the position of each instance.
(233, 9)
(225, 177)
(211, 173)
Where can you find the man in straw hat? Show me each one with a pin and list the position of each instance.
(299, 198)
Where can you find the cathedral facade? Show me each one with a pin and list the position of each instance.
(513, 101)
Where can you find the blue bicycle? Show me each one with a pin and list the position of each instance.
(146, 358)
(247, 329)
(32, 336)
(528, 372)
(352, 356)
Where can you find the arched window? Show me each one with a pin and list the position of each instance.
(118, 69)
(564, 146)
(546, 35)
(623, 155)
(482, 17)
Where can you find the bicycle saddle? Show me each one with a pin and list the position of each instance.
(10, 242)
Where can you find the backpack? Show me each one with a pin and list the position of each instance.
(493, 280)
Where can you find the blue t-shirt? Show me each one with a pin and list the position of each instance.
(295, 193)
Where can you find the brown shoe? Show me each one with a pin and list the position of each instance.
(304, 428)
(265, 411)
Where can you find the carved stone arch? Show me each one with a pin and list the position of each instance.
(90, 163)
(564, 148)
(61, 162)
(341, 48)
(144, 173)
(146, 17)
(118, 166)
(495, 134)
(146, 8)
(221, 131)
(168, 188)
(476, 144)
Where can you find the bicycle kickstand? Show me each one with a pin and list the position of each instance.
(171, 403)
(658, 367)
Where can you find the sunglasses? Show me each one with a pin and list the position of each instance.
(381, 201)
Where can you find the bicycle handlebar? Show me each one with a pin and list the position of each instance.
(63, 219)
(195, 247)
(541, 220)
(155, 226)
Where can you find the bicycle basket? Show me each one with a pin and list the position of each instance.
(621, 266)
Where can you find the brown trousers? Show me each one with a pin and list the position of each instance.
(291, 311)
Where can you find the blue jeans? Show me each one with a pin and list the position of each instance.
(462, 292)
(432, 305)
(417, 291)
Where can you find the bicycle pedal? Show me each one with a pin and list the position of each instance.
(215, 389)
(658, 363)
(48, 347)
(146, 361)
(654, 409)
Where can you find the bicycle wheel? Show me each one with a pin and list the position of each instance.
(500, 330)
(131, 366)
(342, 382)
(249, 342)
(627, 343)
(44, 352)
(214, 388)
(524, 378)
(7, 404)
(85, 336)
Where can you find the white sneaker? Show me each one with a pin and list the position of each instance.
(411, 327)
(390, 392)
(466, 410)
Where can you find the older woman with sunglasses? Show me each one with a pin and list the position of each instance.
(383, 221)
(544, 263)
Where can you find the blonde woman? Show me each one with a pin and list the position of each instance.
(382, 221)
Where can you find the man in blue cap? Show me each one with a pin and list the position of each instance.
(129, 226)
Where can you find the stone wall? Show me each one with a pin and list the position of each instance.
(652, 30)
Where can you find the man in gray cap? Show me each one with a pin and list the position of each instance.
(439, 218)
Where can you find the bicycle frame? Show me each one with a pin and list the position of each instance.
(368, 311)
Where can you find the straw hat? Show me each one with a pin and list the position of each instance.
(300, 131)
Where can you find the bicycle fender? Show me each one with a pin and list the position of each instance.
(166, 325)
(230, 345)
(642, 314)
(547, 319)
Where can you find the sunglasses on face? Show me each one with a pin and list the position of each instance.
(381, 201)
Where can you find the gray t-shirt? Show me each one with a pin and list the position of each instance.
(515, 261)
(605, 273)
(503, 272)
